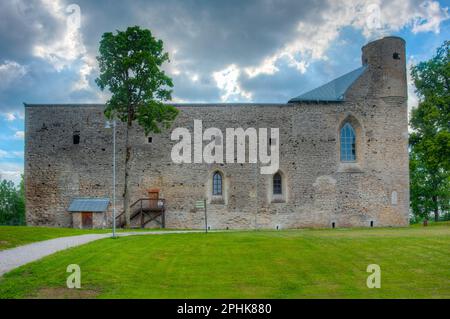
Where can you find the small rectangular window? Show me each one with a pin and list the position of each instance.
(150, 139)
(76, 138)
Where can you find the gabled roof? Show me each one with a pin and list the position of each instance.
(332, 91)
(89, 205)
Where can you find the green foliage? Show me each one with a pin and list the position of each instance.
(430, 139)
(12, 203)
(130, 63)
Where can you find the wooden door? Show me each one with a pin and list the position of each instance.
(86, 220)
(154, 196)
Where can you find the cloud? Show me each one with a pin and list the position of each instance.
(68, 48)
(430, 17)
(57, 43)
(227, 82)
(11, 171)
(312, 39)
(10, 116)
(64, 49)
(11, 154)
(19, 135)
(10, 72)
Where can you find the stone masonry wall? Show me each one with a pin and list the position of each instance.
(318, 189)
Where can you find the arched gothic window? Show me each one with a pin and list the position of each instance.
(348, 143)
(217, 184)
(277, 184)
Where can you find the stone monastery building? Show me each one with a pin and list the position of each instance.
(343, 160)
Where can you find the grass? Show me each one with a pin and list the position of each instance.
(12, 236)
(414, 263)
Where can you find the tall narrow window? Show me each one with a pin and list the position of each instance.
(217, 184)
(277, 184)
(348, 143)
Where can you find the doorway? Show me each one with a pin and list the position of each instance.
(86, 220)
(153, 196)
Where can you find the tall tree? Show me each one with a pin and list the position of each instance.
(12, 203)
(130, 67)
(430, 139)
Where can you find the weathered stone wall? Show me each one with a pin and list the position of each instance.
(318, 189)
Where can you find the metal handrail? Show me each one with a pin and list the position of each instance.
(143, 199)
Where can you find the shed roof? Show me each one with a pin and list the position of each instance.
(96, 205)
(332, 91)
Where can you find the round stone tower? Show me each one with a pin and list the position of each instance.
(386, 60)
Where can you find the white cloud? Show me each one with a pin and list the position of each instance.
(69, 48)
(10, 71)
(430, 17)
(19, 135)
(10, 117)
(11, 154)
(227, 82)
(314, 37)
(11, 171)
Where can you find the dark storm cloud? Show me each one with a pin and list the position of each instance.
(206, 34)
(202, 37)
(22, 25)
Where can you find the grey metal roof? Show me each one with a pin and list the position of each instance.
(332, 91)
(89, 205)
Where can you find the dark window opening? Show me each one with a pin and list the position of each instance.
(150, 139)
(396, 56)
(277, 184)
(333, 225)
(371, 223)
(76, 138)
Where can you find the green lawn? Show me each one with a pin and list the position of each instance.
(12, 236)
(414, 263)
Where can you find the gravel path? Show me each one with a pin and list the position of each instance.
(18, 256)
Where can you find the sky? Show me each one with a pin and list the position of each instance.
(220, 51)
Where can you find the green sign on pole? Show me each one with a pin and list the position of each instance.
(200, 204)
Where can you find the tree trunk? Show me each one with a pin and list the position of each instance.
(126, 195)
(436, 215)
(436, 209)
